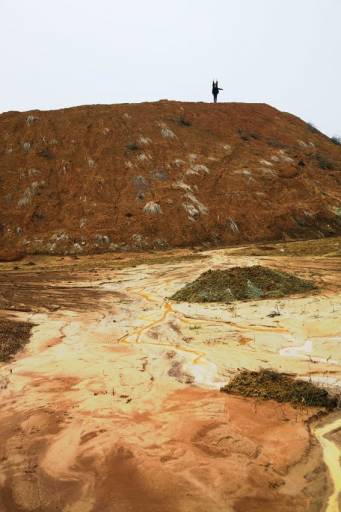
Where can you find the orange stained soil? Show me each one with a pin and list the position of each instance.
(114, 405)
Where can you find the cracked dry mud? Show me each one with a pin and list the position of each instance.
(114, 405)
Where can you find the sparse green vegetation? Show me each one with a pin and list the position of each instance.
(13, 336)
(247, 136)
(133, 146)
(271, 385)
(313, 128)
(321, 247)
(242, 283)
(323, 162)
(182, 121)
(46, 153)
(336, 140)
(275, 143)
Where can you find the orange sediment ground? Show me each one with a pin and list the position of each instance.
(114, 405)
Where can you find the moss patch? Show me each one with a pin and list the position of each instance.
(271, 385)
(242, 283)
(13, 336)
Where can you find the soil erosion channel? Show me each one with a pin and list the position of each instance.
(114, 405)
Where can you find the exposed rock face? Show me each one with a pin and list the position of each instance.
(154, 175)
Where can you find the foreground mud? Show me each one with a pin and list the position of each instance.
(114, 405)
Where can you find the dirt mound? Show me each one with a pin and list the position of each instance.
(13, 336)
(270, 385)
(102, 178)
(242, 283)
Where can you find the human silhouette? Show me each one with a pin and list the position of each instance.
(215, 90)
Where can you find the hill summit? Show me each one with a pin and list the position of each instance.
(155, 175)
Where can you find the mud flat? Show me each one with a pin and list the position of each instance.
(114, 404)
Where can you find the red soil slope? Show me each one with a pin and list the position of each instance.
(155, 175)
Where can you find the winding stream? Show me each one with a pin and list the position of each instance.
(331, 456)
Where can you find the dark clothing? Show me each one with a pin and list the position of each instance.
(215, 91)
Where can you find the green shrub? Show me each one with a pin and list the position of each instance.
(133, 146)
(46, 153)
(312, 128)
(182, 121)
(323, 162)
(336, 140)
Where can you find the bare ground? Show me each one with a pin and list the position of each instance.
(114, 405)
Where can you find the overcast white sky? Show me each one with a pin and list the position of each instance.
(57, 53)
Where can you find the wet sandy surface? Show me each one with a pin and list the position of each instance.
(114, 405)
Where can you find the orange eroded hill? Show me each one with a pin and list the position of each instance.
(155, 175)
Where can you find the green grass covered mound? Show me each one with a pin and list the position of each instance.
(271, 385)
(242, 283)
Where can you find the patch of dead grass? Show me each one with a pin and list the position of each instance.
(13, 336)
(272, 385)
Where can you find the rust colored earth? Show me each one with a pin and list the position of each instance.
(103, 178)
(114, 405)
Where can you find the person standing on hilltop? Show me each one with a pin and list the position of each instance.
(215, 90)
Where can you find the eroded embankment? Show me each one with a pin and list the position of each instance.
(115, 405)
(99, 178)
